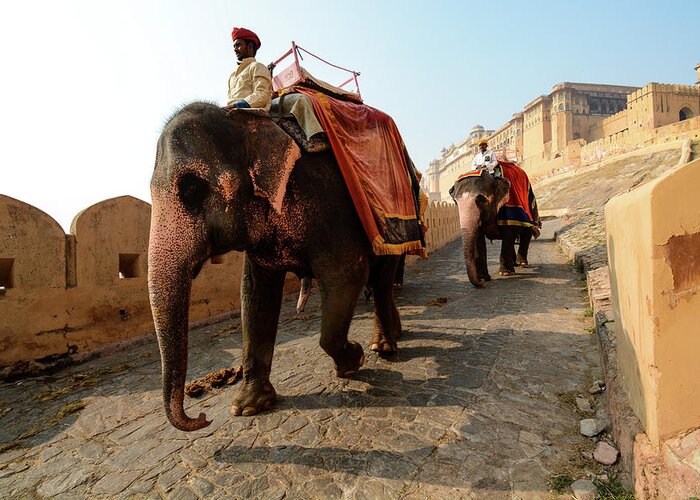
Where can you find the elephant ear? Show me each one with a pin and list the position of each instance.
(272, 155)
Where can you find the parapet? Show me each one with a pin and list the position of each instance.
(33, 249)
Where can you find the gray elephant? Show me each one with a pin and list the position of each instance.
(235, 181)
(481, 199)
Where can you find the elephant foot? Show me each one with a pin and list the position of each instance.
(506, 272)
(519, 261)
(382, 344)
(349, 361)
(252, 398)
(486, 277)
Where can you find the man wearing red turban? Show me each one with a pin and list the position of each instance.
(250, 86)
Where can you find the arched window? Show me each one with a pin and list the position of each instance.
(684, 114)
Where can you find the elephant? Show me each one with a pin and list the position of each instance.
(234, 180)
(479, 200)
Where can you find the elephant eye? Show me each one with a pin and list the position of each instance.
(193, 190)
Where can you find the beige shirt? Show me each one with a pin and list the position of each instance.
(252, 82)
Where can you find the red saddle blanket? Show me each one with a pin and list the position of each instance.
(382, 180)
(520, 197)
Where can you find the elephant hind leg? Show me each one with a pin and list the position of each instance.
(338, 305)
(523, 247)
(387, 323)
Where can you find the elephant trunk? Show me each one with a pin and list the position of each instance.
(169, 284)
(469, 220)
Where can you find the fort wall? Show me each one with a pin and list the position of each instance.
(579, 123)
(64, 295)
(626, 140)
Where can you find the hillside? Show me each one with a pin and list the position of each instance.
(585, 192)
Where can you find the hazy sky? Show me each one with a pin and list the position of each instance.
(87, 86)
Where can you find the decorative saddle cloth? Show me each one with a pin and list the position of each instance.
(381, 178)
(521, 207)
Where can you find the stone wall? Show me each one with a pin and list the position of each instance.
(655, 280)
(625, 140)
(64, 296)
(68, 294)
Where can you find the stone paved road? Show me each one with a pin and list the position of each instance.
(471, 407)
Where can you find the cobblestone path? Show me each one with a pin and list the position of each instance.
(473, 406)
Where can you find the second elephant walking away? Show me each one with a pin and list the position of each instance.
(481, 200)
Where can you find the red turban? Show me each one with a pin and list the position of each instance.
(245, 34)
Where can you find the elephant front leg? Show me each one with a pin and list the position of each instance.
(338, 305)
(507, 258)
(261, 300)
(482, 267)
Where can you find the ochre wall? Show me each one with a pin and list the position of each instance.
(655, 283)
(105, 299)
(33, 247)
(42, 315)
(629, 140)
(537, 132)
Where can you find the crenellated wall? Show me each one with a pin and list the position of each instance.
(67, 295)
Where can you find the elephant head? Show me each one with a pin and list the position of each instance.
(216, 177)
(478, 197)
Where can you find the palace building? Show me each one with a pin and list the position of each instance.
(575, 123)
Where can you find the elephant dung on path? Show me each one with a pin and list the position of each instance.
(236, 181)
(479, 199)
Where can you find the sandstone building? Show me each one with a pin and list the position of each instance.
(576, 123)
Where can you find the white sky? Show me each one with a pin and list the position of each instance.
(87, 86)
